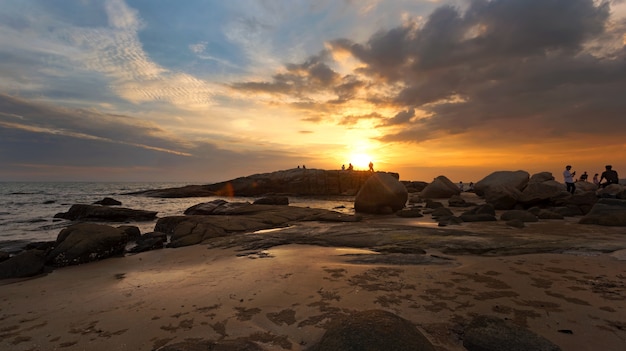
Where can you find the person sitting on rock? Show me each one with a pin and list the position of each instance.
(610, 175)
(350, 167)
(584, 176)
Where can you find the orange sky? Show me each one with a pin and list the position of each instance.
(155, 91)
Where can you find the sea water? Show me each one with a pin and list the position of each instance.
(27, 209)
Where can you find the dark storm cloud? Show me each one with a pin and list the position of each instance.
(554, 67)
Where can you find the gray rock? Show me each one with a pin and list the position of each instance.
(25, 264)
(541, 177)
(608, 212)
(433, 204)
(486, 333)
(131, 231)
(481, 209)
(105, 214)
(87, 242)
(448, 220)
(194, 229)
(538, 193)
(440, 188)
(372, 330)
(381, 191)
(502, 197)
(409, 213)
(502, 179)
(148, 242)
(459, 201)
(441, 212)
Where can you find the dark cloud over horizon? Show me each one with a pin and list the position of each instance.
(556, 68)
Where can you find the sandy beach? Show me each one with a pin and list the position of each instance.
(282, 297)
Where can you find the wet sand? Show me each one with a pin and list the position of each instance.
(283, 297)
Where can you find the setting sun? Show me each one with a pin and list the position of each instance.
(360, 161)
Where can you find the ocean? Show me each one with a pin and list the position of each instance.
(27, 209)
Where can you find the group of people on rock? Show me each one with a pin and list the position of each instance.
(351, 167)
(609, 176)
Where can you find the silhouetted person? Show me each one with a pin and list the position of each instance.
(461, 186)
(584, 176)
(371, 166)
(568, 176)
(343, 167)
(303, 167)
(595, 179)
(350, 167)
(610, 175)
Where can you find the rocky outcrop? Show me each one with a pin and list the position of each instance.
(609, 212)
(381, 194)
(105, 214)
(297, 182)
(87, 242)
(372, 330)
(440, 188)
(486, 333)
(229, 218)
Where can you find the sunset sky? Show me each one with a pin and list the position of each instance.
(209, 90)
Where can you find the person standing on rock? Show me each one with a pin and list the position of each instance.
(610, 175)
(569, 179)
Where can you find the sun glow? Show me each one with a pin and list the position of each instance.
(360, 161)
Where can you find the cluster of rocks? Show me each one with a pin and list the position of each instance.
(84, 241)
(524, 198)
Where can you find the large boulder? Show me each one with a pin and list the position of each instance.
(373, 330)
(440, 188)
(615, 191)
(502, 197)
(381, 193)
(541, 177)
(105, 214)
(608, 212)
(542, 193)
(485, 333)
(25, 264)
(86, 242)
(502, 179)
